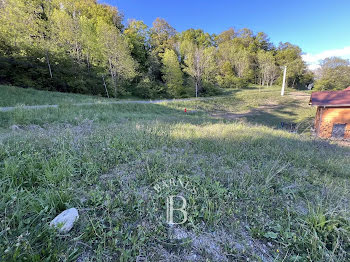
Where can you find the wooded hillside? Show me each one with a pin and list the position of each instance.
(81, 46)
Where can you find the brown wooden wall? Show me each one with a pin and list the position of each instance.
(327, 117)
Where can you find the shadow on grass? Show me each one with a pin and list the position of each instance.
(261, 144)
(273, 115)
(99, 113)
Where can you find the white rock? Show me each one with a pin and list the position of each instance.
(64, 221)
(14, 128)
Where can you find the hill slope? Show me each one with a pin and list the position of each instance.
(253, 191)
(14, 96)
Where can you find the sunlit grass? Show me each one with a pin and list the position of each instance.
(261, 193)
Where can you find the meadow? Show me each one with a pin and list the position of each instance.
(14, 96)
(262, 193)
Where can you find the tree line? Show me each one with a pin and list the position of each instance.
(82, 46)
(333, 74)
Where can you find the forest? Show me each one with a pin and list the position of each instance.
(81, 46)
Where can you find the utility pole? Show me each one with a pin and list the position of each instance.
(284, 80)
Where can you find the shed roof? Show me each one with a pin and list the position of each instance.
(331, 98)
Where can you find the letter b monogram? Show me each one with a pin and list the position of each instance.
(170, 210)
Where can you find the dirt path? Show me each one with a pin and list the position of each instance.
(10, 108)
(296, 95)
(303, 97)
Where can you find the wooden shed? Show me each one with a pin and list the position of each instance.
(333, 113)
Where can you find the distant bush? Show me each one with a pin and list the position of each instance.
(231, 81)
(210, 89)
(149, 89)
(30, 72)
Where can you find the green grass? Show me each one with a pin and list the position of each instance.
(257, 106)
(16, 96)
(262, 194)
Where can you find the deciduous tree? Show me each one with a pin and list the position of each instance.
(200, 64)
(334, 74)
(267, 68)
(115, 54)
(172, 74)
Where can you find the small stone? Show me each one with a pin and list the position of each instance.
(14, 128)
(64, 221)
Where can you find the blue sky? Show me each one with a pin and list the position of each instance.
(321, 28)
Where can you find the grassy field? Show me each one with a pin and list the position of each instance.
(257, 106)
(14, 96)
(261, 193)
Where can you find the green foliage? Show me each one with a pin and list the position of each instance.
(211, 89)
(162, 36)
(28, 72)
(197, 36)
(149, 89)
(137, 36)
(290, 55)
(200, 65)
(117, 58)
(267, 68)
(64, 46)
(172, 74)
(79, 46)
(334, 74)
(231, 81)
(227, 77)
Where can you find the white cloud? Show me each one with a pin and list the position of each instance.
(313, 60)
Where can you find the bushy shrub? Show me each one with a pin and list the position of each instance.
(210, 89)
(230, 81)
(67, 76)
(329, 84)
(149, 89)
(333, 74)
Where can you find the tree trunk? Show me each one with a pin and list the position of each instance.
(87, 61)
(48, 62)
(263, 80)
(77, 51)
(114, 81)
(196, 88)
(104, 83)
(115, 87)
